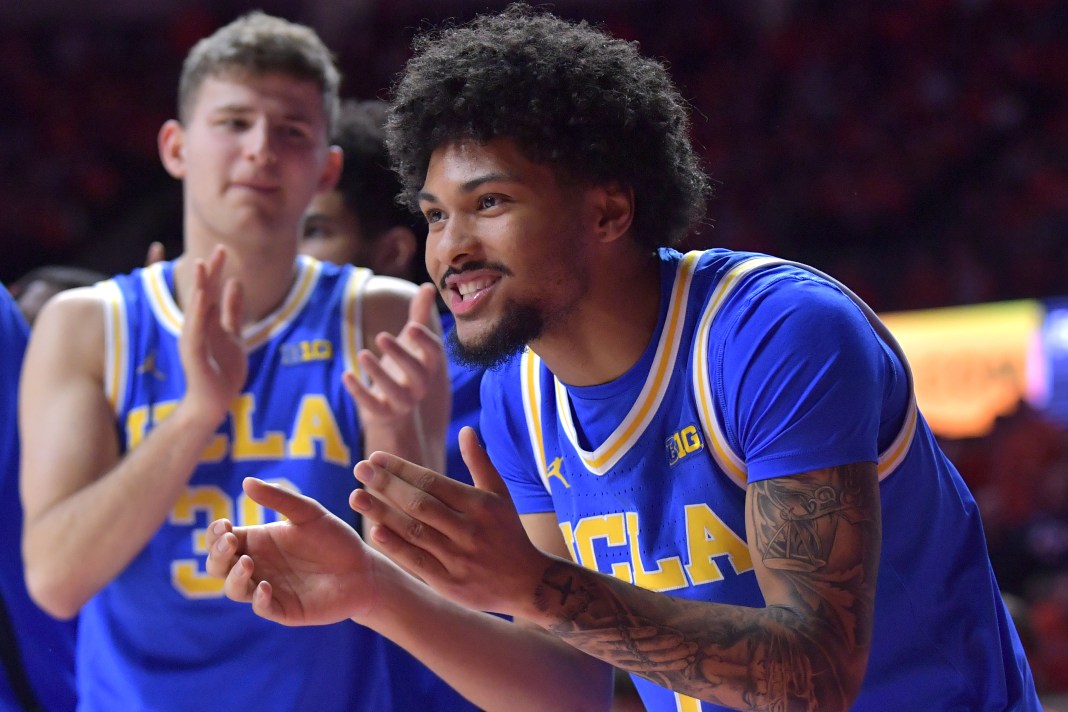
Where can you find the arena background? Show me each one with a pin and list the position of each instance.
(915, 149)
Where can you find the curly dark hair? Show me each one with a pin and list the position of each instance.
(569, 95)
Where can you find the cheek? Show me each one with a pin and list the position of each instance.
(319, 249)
(430, 258)
(329, 249)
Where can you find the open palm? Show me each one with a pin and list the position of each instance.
(310, 570)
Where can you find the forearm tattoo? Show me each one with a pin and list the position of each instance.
(818, 539)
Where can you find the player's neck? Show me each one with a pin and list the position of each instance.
(265, 275)
(610, 331)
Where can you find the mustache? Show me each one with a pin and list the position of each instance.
(471, 267)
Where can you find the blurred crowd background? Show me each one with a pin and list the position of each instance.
(915, 149)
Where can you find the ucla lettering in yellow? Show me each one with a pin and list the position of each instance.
(710, 544)
(683, 443)
(307, 350)
(314, 429)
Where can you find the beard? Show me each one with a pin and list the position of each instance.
(519, 325)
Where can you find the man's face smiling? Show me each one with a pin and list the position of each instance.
(505, 245)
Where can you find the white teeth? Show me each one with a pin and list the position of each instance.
(467, 288)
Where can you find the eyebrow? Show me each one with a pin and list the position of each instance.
(471, 185)
(298, 116)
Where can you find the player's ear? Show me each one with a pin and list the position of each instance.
(171, 144)
(614, 204)
(394, 250)
(335, 159)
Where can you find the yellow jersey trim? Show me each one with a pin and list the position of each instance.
(171, 317)
(530, 366)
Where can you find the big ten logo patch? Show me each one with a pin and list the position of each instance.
(683, 443)
(303, 351)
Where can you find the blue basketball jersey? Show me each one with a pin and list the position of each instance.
(38, 660)
(162, 636)
(647, 473)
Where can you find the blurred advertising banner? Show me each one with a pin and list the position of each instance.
(972, 364)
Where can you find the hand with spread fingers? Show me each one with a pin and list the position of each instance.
(405, 402)
(402, 376)
(466, 542)
(310, 569)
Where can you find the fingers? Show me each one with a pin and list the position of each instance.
(414, 365)
(297, 508)
(400, 378)
(215, 318)
(240, 586)
(233, 306)
(421, 500)
(222, 545)
(264, 605)
(216, 530)
(197, 314)
(408, 542)
(215, 264)
(203, 306)
(155, 253)
(369, 402)
(400, 482)
(224, 561)
(401, 393)
(483, 473)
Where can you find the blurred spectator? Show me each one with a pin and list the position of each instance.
(37, 286)
(919, 145)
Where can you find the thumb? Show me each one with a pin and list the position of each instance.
(422, 307)
(233, 307)
(483, 473)
(297, 508)
(155, 253)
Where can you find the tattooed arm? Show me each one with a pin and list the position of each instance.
(815, 540)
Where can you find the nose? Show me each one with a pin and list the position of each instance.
(450, 244)
(258, 146)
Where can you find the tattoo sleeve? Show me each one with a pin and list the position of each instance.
(815, 540)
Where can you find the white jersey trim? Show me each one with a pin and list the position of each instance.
(116, 343)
